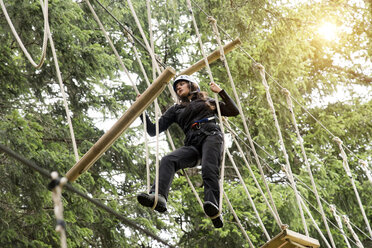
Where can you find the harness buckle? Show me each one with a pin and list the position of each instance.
(196, 125)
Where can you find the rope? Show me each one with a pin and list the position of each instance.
(346, 220)
(58, 72)
(248, 194)
(148, 47)
(57, 185)
(364, 166)
(339, 222)
(315, 224)
(46, 174)
(217, 105)
(298, 179)
(281, 141)
(276, 82)
(348, 173)
(300, 140)
(112, 46)
(20, 43)
(238, 221)
(223, 58)
(242, 154)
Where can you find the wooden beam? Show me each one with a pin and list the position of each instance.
(291, 239)
(211, 58)
(96, 151)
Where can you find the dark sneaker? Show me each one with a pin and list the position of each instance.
(148, 200)
(212, 210)
(218, 222)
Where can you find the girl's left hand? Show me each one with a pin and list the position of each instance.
(214, 87)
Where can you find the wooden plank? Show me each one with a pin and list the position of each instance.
(291, 239)
(96, 151)
(211, 58)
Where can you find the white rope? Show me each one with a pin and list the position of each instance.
(364, 166)
(300, 140)
(20, 43)
(248, 194)
(174, 96)
(281, 141)
(298, 179)
(238, 221)
(223, 58)
(112, 46)
(339, 223)
(58, 207)
(59, 76)
(242, 154)
(348, 173)
(217, 105)
(355, 236)
(315, 224)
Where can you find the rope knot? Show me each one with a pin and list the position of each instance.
(286, 92)
(337, 140)
(211, 20)
(284, 227)
(258, 66)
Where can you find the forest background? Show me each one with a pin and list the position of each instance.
(284, 36)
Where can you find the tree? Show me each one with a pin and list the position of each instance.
(281, 36)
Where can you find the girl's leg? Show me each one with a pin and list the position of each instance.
(211, 158)
(183, 157)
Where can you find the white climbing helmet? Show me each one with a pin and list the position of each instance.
(185, 78)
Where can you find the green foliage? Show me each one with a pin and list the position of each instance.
(281, 36)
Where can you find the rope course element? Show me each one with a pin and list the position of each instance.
(277, 83)
(248, 194)
(296, 178)
(355, 236)
(300, 140)
(126, 221)
(238, 221)
(217, 104)
(364, 166)
(348, 173)
(56, 187)
(44, 6)
(281, 142)
(47, 35)
(339, 223)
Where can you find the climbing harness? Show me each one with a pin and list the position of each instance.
(197, 124)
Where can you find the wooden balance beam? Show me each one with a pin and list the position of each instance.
(291, 239)
(96, 151)
(104, 143)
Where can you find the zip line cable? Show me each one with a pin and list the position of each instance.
(69, 187)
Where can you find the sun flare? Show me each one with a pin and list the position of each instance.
(328, 31)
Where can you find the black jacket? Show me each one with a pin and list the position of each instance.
(196, 110)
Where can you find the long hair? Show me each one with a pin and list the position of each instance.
(196, 95)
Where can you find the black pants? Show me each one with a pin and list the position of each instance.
(210, 150)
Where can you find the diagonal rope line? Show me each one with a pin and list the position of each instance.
(130, 223)
(60, 82)
(281, 141)
(298, 179)
(348, 173)
(223, 58)
(278, 84)
(300, 140)
(248, 194)
(238, 221)
(217, 105)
